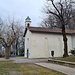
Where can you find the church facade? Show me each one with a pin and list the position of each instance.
(45, 42)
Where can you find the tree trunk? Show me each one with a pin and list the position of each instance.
(17, 46)
(65, 46)
(7, 53)
(65, 42)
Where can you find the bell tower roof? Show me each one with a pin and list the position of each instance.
(28, 18)
(27, 21)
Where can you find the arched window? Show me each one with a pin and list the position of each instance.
(28, 25)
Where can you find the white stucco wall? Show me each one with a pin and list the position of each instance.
(40, 45)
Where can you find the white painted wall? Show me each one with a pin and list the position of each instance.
(41, 45)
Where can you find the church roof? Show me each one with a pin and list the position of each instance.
(49, 30)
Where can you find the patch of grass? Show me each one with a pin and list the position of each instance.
(10, 68)
(70, 58)
(19, 57)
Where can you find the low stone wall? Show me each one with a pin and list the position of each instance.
(65, 63)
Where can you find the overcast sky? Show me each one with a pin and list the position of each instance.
(20, 9)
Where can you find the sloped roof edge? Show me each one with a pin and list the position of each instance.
(48, 30)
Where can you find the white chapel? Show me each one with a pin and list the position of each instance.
(43, 42)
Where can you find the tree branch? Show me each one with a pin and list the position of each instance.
(14, 35)
(3, 40)
(61, 8)
(55, 6)
(54, 14)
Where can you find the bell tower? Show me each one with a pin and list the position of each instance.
(27, 21)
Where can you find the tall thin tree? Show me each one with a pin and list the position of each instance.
(62, 11)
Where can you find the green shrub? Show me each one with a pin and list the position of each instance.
(72, 52)
(21, 51)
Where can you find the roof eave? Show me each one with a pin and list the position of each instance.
(49, 32)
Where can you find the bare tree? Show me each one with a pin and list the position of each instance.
(8, 34)
(19, 40)
(68, 15)
(63, 13)
(48, 22)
